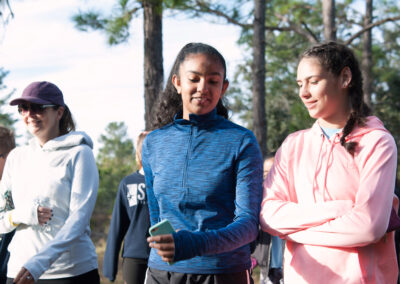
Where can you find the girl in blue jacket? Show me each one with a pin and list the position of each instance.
(204, 174)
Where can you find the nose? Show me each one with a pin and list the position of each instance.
(29, 112)
(202, 86)
(304, 91)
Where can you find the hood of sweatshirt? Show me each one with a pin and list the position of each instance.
(66, 141)
(372, 123)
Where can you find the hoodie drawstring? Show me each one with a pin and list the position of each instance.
(316, 166)
(325, 190)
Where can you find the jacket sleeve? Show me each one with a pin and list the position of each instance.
(244, 227)
(84, 186)
(118, 227)
(148, 173)
(281, 214)
(368, 220)
(26, 214)
(5, 224)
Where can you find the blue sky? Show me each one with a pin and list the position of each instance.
(100, 83)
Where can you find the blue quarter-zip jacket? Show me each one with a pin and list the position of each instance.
(205, 176)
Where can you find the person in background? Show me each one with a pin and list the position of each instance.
(7, 143)
(277, 245)
(129, 223)
(53, 181)
(268, 251)
(397, 233)
(203, 174)
(330, 192)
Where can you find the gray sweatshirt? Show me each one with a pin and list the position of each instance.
(62, 174)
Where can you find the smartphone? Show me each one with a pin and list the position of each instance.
(162, 228)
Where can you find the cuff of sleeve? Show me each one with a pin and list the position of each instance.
(10, 219)
(24, 215)
(186, 245)
(34, 272)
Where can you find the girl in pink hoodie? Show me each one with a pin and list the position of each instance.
(330, 192)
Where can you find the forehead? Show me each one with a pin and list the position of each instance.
(202, 63)
(309, 66)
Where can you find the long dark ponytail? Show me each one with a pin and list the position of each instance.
(334, 57)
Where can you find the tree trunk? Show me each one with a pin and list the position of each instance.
(153, 57)
(367, 54)
(328, 15)
(258, 66)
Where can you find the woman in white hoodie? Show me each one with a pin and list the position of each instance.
(53, 182)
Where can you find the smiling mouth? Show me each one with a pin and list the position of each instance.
(310, 104)
(199, 99)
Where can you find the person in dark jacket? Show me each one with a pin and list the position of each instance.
(7, 143)
(130, 223)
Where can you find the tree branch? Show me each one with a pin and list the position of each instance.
(370, 26)
(310, 36)
(207, 9)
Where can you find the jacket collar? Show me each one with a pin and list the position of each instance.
(196, 119)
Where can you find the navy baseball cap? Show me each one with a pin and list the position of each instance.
(42, 93)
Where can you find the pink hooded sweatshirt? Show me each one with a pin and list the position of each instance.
(332, 208)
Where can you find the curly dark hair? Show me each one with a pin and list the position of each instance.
(334, 57)
(170, 102)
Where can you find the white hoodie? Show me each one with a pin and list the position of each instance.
(64, 172)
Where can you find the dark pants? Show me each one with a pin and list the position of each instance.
(4, 255)
(91, 277)
(134, 270)
(155, 276)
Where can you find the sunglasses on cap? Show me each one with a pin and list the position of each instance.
(32, 108)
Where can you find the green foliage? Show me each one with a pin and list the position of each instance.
(5, 118)
(115, 160)
(115, 25)
(386, 71)
(285, 111)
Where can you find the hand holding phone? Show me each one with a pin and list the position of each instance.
(164, 245)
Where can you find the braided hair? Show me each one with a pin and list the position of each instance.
(170, 102)
(334, 57)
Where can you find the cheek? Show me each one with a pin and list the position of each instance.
(25, 119)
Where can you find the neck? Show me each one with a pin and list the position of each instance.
(336, 120)
(332, 124)
(44, 140)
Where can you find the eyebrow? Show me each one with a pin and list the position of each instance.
(209, 74)
(308, 77)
